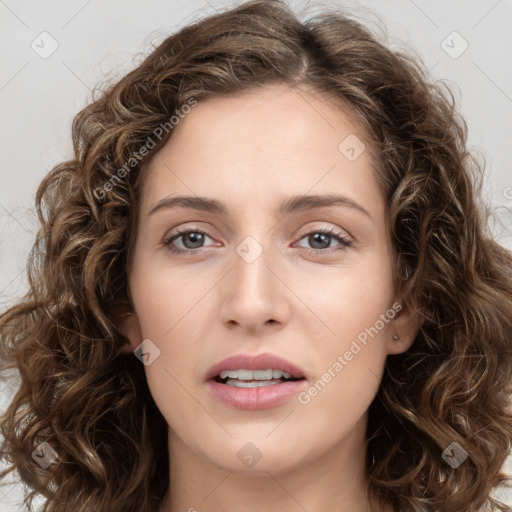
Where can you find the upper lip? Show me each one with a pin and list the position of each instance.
(257, 362)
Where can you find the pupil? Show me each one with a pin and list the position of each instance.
(314, 239)
(197, 236)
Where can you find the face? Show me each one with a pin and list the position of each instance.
(258, 273)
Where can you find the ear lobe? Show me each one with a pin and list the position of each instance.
(402, 330)
(129, 326)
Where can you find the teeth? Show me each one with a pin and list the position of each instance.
(254, 384)
(264, 375)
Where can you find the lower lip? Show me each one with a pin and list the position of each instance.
(263, 397)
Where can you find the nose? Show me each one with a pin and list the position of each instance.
(256, 297)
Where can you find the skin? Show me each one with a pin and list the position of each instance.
(250, 152)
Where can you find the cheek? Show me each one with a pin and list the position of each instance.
(351, 332)
(350, 362)
(164, 296)
(350, 299)
(166, 307)
(170, 376)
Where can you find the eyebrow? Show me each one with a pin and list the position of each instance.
(291, 204)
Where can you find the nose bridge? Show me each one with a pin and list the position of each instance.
(256, 294)
(251, 261)
(255, 250)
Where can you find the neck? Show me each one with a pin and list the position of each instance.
(333, 480)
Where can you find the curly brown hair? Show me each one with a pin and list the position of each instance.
(89, 400)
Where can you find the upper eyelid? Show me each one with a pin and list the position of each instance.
(306, 231)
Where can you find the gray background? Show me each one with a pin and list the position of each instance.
(39, 96)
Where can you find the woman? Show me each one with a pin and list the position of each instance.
(280, 221)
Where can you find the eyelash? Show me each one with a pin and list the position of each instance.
(344, 242)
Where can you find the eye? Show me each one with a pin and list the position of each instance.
(192, 238)
(323, 238)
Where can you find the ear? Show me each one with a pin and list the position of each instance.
(128, 325)
(403, 328)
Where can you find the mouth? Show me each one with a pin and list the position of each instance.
(261, 367)
(243, 378)
(255, 382)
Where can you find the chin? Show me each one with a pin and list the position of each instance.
(258, 458)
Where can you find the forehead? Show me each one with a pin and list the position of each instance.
(273, 137)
